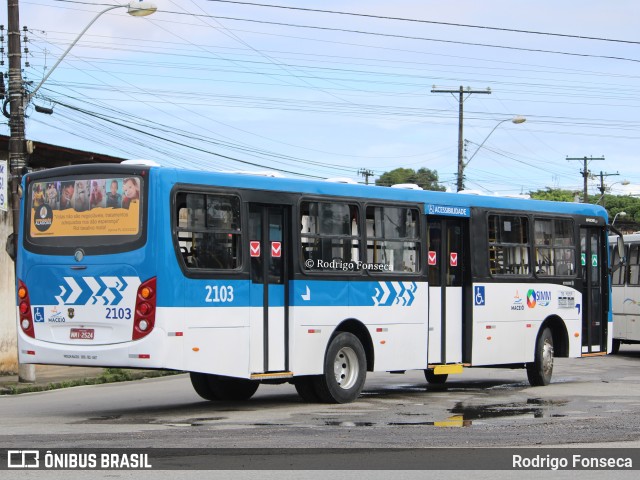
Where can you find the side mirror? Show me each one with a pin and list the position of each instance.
(11, 246)
(620, 245)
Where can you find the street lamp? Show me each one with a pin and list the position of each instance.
(517, 120)
(16, 101)
(135, 9)
(622, 214)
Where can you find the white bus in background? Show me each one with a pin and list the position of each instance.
(625, 296)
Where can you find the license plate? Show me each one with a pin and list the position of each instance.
(81, 334)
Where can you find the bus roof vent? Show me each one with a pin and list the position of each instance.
(140, 161)
(341, 180)
(407, 186)
(471, 192)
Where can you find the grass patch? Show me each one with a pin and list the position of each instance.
(109, 375)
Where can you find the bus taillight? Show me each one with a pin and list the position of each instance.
(145, 317)
(24, 307)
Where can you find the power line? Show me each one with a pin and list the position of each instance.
(389, 35)
(432, 22)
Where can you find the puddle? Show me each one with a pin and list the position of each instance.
(532, 408)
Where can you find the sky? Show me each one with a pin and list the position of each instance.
(282, 86)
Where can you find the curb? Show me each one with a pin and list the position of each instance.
(110, 375)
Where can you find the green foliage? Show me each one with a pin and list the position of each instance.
(555, 195)
(425, 178)
(613, 203)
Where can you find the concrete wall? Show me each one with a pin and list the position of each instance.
(8, 333)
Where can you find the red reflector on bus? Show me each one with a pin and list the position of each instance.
(26, 320)
(139, 355)
(145, 312)
(29, 352)
(314, 330)
(175, 334)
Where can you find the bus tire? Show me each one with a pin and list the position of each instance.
(434, 379)
(540, 370)
(345, 370)
(217, 387)
(200, 383)
(615, 347)
(305, 386)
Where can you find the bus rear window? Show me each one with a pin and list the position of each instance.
(85, 211)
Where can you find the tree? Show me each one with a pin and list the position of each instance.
(424, 177)
(613, 203)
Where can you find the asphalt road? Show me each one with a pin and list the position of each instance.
(591, 402)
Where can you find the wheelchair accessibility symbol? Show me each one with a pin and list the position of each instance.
(478, 296)
(38, 314)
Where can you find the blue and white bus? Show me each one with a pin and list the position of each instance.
(242, 279)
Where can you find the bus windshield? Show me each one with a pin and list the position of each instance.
(84, 212)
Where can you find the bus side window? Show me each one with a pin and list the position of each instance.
(208, 230)
(509, 245)
(328, 235)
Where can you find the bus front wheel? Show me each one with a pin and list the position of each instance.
(345, 370)
(540, 370)
(216, 387)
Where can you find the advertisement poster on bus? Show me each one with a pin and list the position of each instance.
(86, 207)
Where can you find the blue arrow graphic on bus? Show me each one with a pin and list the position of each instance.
(115, 289)
(97, 289)
(410, 293)
(72, 294)
(401, 290)
(394, 293)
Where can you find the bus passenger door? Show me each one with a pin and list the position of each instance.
(594, 319)
(447, 269)
(268, 251)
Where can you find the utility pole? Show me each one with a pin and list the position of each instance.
(585, 174)
(461, 91)
(603, 187)
(366, 174)
(17, 150)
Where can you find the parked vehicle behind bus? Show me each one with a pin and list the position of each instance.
(625, 280)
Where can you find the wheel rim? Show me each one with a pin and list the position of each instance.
(547, 358)
(345, 368)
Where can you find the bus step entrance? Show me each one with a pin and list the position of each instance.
(271, 375)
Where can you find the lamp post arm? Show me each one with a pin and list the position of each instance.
(33, 92)
(485, 139)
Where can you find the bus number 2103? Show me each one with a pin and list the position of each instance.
(219, 294)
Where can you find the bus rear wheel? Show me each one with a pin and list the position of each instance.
(345, 370)
(434, 379)
(216, 387)
(306, 388)
(616, 346)
(540, 370)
